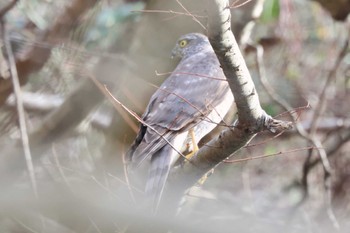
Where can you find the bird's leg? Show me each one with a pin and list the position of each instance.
(194, 150)
(194, 145)
(205, 177)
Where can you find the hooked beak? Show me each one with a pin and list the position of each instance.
(173, 54)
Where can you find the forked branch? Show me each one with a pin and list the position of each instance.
(251, 117)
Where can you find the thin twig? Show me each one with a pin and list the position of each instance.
(309, 136)
(20, 108)
(70, 48)
(106, 92)
(262, 74)
(192, 74)
(320, 108)
(233, 5)
(143, 122)
(126, 177)
(107, 189)
(131, 97)
(278, 99)
(60, 170)
(266, 156)
(271, 92)
(88, 176)
(170, 12)
(294, 110)
(116, 103)
(28, 228)
(94, 225)
(192, 105)
(265, 141)
(124, 183)
(193, 16)
(333, 149)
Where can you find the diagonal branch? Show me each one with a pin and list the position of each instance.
(189, 13)
(251, 117)
(20, 108)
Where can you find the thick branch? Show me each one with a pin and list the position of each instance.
(232, 62)
(251, 117)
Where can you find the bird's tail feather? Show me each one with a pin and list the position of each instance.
(157, 177)
(144, 150)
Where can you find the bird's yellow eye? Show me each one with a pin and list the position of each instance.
(183, 43)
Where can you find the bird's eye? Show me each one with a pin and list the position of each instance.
(183, 43)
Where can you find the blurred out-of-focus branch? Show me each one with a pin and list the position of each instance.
(35, 57)
(339, 9)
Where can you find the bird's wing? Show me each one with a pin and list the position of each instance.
(186, 98)
(182, 101)
(189, 94)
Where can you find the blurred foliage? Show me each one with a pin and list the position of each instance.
(258, 195)
(40, 12)
(271, 11)
(105, 29)
(271, 109)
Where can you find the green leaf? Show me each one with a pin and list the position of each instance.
(271, 109)
(271, 11)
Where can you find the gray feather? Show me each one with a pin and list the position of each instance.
(196, 95)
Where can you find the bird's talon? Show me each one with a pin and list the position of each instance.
(205, 177)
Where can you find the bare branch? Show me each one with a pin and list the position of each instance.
(190, 104)
(233, 5)
(59, 167)
(126, 176)
(193, 74)
(20, 109)
(320, 108)
(268, 88)
(232, 63)
(117, 104)
(170, 12)
(332, 149)
(251, 117)
(267, 156)
(189, 13)
(120, 107)
(38, 102)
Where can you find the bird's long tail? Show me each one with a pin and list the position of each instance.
(158, 174)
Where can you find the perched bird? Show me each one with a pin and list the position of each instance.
(187, 106)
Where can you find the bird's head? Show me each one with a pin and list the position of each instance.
(189, 44)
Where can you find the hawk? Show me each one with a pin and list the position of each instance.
(190, 103)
